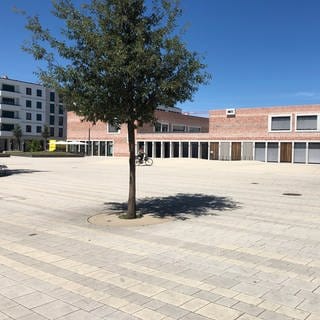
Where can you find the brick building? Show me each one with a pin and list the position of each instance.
(273, 134)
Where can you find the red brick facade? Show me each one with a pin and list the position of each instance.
(253, 124)
(246, 134)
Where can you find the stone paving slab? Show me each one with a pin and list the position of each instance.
(237, 248)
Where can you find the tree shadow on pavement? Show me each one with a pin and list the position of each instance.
(9, 172)
(181, 206)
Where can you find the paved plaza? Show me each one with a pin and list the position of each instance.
(244, 241)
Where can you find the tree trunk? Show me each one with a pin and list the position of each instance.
(131, 214)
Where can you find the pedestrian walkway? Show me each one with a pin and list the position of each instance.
(242, 241)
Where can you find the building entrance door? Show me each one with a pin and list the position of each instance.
(285, 152)
(214, 150)
(236, 151)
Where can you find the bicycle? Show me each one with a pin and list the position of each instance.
(147, 161)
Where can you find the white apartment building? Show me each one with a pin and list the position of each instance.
(32, 106)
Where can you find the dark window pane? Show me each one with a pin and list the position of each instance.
(7, 127)
(39, 93)
(39, 105)
(7, 87)
(52, 96)
(9, 101)
(52, 120)
(307, 122)
(28, 103)
(280, 123)
(29, 91)
(51, 108)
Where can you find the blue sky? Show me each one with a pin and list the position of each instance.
(259, 52)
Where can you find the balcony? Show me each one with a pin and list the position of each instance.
(9, 106)
(9, 120)
(4, 133)
(8, 93)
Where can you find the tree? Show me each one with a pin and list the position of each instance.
(17, 133)
(45, 135)
(33, 146)
(116, 61)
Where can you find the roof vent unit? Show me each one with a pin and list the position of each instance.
(230, 112)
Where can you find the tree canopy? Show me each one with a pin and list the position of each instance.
(117, 60)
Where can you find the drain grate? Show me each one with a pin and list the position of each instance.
(292, 194)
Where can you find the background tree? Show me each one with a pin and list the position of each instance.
(17, 133)
(120, 61)
(45, 135)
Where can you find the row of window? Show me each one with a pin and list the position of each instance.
(9, 101)
(29, 92)
(29, 104)
(39, 130)
(52, 121)
(165, 127)
(309, 122)
(52, 108)
(11, 88)
(29, 116)
(8, 87)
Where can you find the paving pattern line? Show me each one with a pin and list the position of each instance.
(82, 237)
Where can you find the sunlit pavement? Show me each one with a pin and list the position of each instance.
(245, 244)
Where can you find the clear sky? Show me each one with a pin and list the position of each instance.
(259, 52)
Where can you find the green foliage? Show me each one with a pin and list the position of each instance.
(45, 135)
(122, 60)
(17, 134)
(116, 61)
(33, 146)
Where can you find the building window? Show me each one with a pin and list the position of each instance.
(60, 121)
(194, 129)
(39, 129)
(39, 93)
(39, 105)
(51, 108)
(60, 132)
(28, 103)
(7, 127)
(112, 128)
(51, 120)
(52, 96)
(28, 128)
(7, 114)
(39, 117)
(61, 111)
(161, 127)
(178, 128)
(307, 122)
(8, 87)
(28, 91)
(280, 123)
(51, 131)
(9, 101)
(28, 116)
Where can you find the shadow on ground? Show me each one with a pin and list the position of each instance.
(181, 206)
(9, 172)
